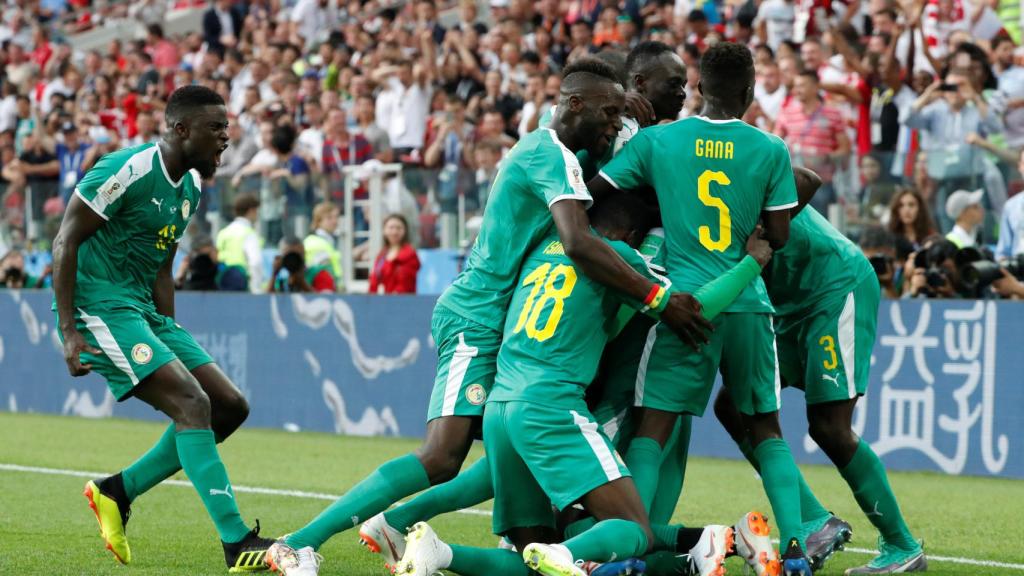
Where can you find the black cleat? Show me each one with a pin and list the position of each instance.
(248, 555)
(794, 561)
(831, 537)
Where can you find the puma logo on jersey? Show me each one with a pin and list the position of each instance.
(225, 492)
(832, 379)
(159, 204)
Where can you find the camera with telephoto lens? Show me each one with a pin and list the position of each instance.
(981, 270)
(293, 262)
(935, 275)
(882, 263)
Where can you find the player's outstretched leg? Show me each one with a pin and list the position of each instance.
(646, 451)
(438, 460)
(176, 392)
(426, 554)
(830, 427)
(110, 498)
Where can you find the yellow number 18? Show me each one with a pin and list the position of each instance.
(533, 306)
(724, 220)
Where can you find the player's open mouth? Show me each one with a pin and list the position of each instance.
(216, 157)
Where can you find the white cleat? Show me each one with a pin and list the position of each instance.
(551, 560)
(708, 555)
(754, 544)
(377, 535)
(288, 561)
(425, 553)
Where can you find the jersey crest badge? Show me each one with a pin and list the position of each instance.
(142, 353)
(476, 394)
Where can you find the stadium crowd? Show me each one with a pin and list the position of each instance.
(911, 111)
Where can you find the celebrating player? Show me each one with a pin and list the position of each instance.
(540, 182)
(826, 298)
(715, 178)
(114, 298)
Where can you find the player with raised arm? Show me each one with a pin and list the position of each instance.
(543, 445)
(715, 178)
(826, 298)
(540, 183)
(114, 300)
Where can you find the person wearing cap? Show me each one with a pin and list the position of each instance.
(71, 156)
(965, 208)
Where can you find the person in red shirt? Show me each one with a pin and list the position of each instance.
(394, 271)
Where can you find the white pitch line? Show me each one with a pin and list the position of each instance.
(470, 511)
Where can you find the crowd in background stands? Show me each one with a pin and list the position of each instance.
(904, 107)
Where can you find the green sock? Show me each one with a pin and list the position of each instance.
(666, 564)
(665, 536)
(197, 451)
(486, 562)
(471, 487)
(388, 484)
(811, 510)
(158, 464)
(672, 472)
(609, 539)
(578, 527)
(866, 476)
(644, 462)
(781, 479)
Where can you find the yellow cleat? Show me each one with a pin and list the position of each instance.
(551, 560)
(111, 520)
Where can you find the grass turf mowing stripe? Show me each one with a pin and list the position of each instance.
(471, 511)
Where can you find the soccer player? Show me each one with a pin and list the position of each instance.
(114, 299)
(715, 178)
(826, 298)
(540, 183)
(543, 445)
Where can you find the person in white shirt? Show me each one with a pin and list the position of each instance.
(403, 105)
(965, 208)
(312, 21)
(775, 20)
(770, 94)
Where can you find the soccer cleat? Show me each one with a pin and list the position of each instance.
(287, 561)
(708, 556)
(754, 545)
(249, 554)
(112, 517)
(377, 535)
(893, 560)
(794, 561)
(630, 567)
(551, 560)
(825, 541)
(425, 553)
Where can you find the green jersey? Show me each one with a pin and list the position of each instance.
(538, 172)
(146, 216)
(817, 267)
(713, 179)
(558, 323)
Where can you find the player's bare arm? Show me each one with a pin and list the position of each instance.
(600, 262)
(80, 222)
(807, 184)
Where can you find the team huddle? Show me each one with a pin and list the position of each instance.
(618, 271)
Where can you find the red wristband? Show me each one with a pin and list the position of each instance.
(655, 289)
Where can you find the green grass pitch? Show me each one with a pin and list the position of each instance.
(47, 528)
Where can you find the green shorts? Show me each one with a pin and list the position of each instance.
(620, 364)
(134, 343)
(675, 378)
(542, 455)
(827, 353)
(467, 360)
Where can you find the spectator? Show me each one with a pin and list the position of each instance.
(816, 134)
(299, 277)
(403, 105)
(71, 155)
(487, 154)
(776, 20)
(368, 128)
(13, 275)
(222, 25)
(240, 151)
(200, 270)
(42, 172)
(1011, 227)
(769, 94)
(341, 148)
(910, 221)
(321, 245)
(146, 130)
(451, 150)
(965, 209)
(880, 248)
(395, 268)
(239, 245)
(1011, 88)
(163, 52)
(311, 21)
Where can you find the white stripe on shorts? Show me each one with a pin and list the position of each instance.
(641, 373)
(598, 445)
(461, 358)
(778, 371)
(847, 341)
(105, 339)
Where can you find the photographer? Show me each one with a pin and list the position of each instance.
(299, 278)
(200, 270)
(880, 248)
(12, 272)
(932, 272)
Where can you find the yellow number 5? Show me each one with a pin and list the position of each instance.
(829, 345)
(724, 220)
(533, 306)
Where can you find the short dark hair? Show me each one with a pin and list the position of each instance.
(616, 58)
(186, 99)
(283, 138)
(887, 12)
(726, 68)
(245, 202)
(877, 238)
(696, 15)
(622, 212)
(644, 53)
(809, 74)
(590, 65)
(1001, 39)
